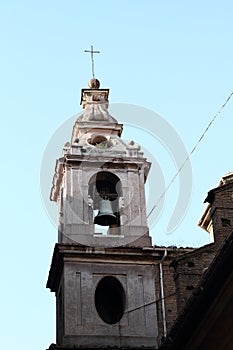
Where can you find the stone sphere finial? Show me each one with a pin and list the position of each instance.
(94, 83)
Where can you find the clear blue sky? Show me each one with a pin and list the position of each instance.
(172, 57)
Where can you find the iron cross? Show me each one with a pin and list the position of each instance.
(92, 59)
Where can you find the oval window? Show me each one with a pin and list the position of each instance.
(110, 300)
(98, 141)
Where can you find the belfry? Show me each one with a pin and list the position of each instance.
(102, 270)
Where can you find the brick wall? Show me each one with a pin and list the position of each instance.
(170, 293)
(188, 269)
(169, 297)
(183, 268)
(221, 201)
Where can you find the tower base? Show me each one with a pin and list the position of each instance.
(105, 297)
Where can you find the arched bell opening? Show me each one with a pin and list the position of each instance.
(105, 190)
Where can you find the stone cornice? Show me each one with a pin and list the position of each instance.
(118, 255)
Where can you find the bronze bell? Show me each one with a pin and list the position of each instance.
(105, 216)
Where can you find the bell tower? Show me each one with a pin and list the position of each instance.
(102, 268)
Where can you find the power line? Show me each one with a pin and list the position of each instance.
(149, 304)
(192, 151)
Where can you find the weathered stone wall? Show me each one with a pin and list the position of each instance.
(79, 322)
